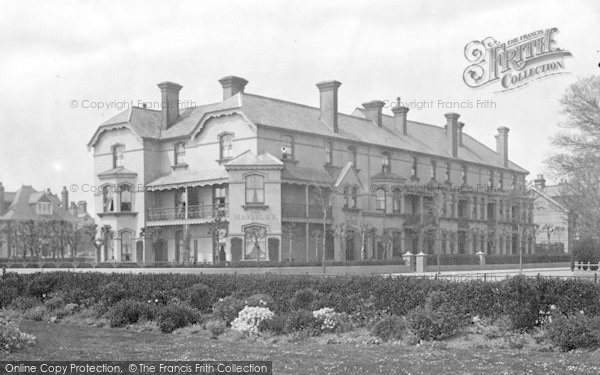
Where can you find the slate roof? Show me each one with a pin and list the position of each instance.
(264, 111)
(295, 173)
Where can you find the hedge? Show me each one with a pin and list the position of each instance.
(348, 294)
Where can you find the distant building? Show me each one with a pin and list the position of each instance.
(261, 169)
(555, 223)
(28, 204)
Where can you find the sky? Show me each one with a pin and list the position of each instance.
(62, 60)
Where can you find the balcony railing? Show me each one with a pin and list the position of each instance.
(298, 210)
(194, 212)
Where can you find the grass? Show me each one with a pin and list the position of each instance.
(304, 356)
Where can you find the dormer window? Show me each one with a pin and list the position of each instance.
(287, 150)
(44, 208)
(226, 146)
(179, 153)
(386, 162)
(117, 152)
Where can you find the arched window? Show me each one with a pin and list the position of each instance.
(255, 242)
(255, 189)
(380, 199)
(125, 198)
(328, 153)
(108, 199)
(226, 145)
(126, 246)
(117, 153)
(288, 148)
(179, 153)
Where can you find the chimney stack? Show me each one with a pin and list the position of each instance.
(82, 205)
(461, 125)
(65, 198)
(328, 94)
(452, 133)
(400, 113)
(373, 111)
(502, 145)
(540, 182)
(232, 85)
(169, 103)
(73, 209)
(1, 199)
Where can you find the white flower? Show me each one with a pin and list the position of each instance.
(250, 319)
(327, 317)
(552, 307)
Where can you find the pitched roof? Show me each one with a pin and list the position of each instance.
(295, 173)
(264, 111)
(24, 206)
(250, 159)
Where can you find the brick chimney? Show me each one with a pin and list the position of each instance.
(400, 113)
(169, 103)
(1, 199)
(82, 206)
(64, 194)
(232, 85)
(540, 182)
(502, 145)
(373, 111)
(328, 95)
(452, 133)
(73, 209)
(461, 125)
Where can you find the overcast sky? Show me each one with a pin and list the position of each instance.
(54, 53)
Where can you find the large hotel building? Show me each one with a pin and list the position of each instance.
(256, 178)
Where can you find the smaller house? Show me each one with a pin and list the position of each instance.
(30, 205)
(555, 224)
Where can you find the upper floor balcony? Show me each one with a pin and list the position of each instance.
(194, 212)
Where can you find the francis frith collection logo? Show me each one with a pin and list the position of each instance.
(515, 63)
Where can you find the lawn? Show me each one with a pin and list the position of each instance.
(351, 353)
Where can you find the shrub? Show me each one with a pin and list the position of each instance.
(574, 331)
(260, 300)
(71, 308)
(55, 303)
(24, 303)
(200, 297)
(252, 319)
(113, 292)
(430, 324)
(303, 299)
(227, 308)
(175, 316)
(391, 327)
(216, 327)
(275, 324)
(35, 313)
(127, 312)
(11, 338)
(520, 302)
(302, 320)
(327, 318)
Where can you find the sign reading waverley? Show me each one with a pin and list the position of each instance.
(515, 63)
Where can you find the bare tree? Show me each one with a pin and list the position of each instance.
(578, 157)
